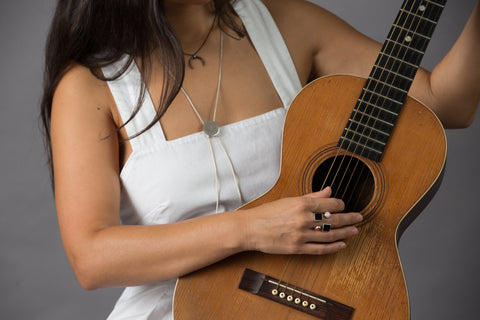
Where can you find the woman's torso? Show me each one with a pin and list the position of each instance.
(169, 172)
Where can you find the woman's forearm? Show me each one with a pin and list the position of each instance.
(135, 255)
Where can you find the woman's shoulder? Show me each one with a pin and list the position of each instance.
(306, 19)
(332, 44)
(292, 12)
(79, 81)
(308, 30)
(80, 91)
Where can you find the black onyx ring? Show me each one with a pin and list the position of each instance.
(319, 216)
(325, 227)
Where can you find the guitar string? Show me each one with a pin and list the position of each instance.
(363, 114)
(332, 184)
(396, 44)
(370, 100)
(394, 78)
(368, 82)
(396, 72)
(313, 266)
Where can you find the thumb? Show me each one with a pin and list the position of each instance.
(324, 193)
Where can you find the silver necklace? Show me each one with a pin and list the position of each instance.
(210, 127)
(212, 130)
(195, 56)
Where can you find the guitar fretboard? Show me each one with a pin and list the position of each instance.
(377, 109)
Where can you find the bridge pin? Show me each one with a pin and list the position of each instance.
(297, 300)
(305, 303)
(275, 292)
(313, 307)
(282, 295)
(289, 298)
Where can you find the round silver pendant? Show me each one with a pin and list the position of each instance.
(211, 128)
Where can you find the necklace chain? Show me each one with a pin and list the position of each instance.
(194, 56)
(210, 127)
(212, 130)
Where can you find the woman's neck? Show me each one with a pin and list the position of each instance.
(191, 22)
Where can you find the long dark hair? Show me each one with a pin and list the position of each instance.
(96, 33)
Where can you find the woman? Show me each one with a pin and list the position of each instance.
(137, 182)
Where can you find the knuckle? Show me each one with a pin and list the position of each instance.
(301, 204)
(297, 239)
(340, 205)
(330, 236)
(322, 250)
(296, 223)
(293, 249)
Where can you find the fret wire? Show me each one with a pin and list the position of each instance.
(403, 52)
(370, 98)
(359, 123)
(387, 84)
(377, 83)
(370, 128)
(357, 143)
(406, 47)
(375, 106)
(363, 136)
(389, 81)
(415, 41)
(422, 26)
(435, 3)
(373, 117)
(419, 17)
(400, 60)
(413, 33)
(383, 96)
(395, 73)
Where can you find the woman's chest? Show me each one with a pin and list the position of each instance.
(176, 180)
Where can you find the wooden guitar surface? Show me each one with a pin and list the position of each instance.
(367, 276)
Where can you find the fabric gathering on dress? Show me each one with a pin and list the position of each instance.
(160, 172)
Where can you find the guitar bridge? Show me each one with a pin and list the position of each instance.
(294, 297)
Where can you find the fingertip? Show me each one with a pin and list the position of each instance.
(325, 192)
(327, 189)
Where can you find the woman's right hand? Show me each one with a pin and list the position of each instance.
(287, 226)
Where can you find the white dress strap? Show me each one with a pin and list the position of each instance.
(271, 47)
(126, 91)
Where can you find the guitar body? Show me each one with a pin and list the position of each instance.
(367, 276)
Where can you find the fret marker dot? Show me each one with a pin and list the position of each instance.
(408, 38)
(422, 8)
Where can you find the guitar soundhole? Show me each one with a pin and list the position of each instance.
(351, 180)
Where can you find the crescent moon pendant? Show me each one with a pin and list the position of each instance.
(190, 61)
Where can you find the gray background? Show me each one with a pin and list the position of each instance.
(439, 251)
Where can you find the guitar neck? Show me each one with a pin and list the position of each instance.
(385, 90)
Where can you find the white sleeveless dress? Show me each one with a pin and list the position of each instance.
(159, 172)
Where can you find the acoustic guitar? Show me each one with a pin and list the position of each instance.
(385, 159)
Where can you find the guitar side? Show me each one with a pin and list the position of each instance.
(367, 276)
